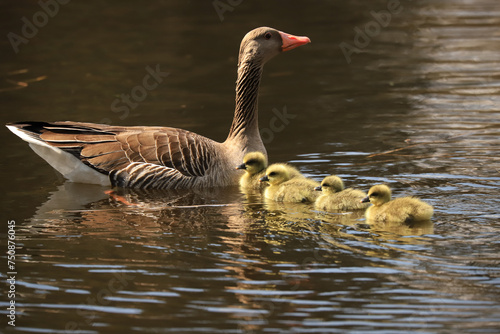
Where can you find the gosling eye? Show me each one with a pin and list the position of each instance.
(250, 162)
(325, 185)
(272, 174)
(268, 35)
(374, 194)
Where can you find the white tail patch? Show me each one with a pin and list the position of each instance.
(65, 163)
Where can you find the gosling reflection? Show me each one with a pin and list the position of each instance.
(397, 231)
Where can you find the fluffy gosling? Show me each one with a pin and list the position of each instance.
(287, 184)
(254, 164)
(334, 197)
(400, 210)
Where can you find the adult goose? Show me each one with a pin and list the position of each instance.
(163, 157)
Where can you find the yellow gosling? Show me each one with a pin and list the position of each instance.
(334, 197)
(287, 184)
(254, 164)
(400, 210)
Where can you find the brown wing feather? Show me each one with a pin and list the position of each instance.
(111, 148)
(109, 161)
(130, 146)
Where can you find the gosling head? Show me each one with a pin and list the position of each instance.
(331, 184)
(253, 163)
(279, 173)
(378, 195)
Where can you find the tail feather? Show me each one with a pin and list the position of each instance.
(64, 156)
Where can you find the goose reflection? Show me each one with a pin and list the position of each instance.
(215, 229)
(166, 210)
(250, 229)
(93, 207)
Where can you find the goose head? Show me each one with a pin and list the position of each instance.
(253, 163)
(331, 184)
(378, 195)
(279, 173)
(262, 44)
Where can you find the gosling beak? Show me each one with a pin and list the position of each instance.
(263, 179)
(291, 42)
(242, 166)
(318, 188)
(365, 200)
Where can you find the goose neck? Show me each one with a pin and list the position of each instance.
(245, 121)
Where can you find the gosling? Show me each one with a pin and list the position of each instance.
(287, 184)
(403, 210)
(254, 164)
(334, 197)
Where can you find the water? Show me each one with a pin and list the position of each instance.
(417, 108)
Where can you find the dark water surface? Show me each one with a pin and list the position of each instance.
(417, 108)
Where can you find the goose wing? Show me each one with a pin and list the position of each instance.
(128, 152)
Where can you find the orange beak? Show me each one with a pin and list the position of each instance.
(291, 42)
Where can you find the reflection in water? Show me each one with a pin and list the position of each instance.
(267, 259)
(417, 228)
(417, 110)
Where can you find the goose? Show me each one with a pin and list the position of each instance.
(400, 210)
(335, 197)
(287, 184)
(254, 164)
(163, 157)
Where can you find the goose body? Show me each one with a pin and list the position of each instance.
(163, 157)
(254, 164)
(287, 184)
(334, 197)
(398, 211)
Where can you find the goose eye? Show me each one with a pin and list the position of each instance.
(374, 195)
(268, 35)
(325, 185)
(272, 173)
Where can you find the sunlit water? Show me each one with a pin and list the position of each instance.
(417, 109)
